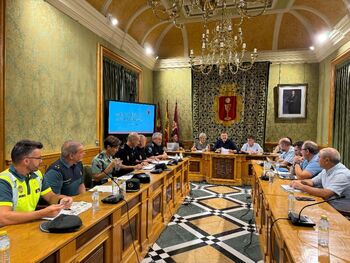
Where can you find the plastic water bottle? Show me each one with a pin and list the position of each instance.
(323, 232)
(4, 247)
(271, 176)
(291, 202)
(176, 157)
(115, 188)
(95, 201)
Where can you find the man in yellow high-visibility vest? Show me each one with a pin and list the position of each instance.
(22, 184)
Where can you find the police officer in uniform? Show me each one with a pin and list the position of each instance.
(127, 154)
(103, 164)
(22, 184)
(65, 176)
(141, 155)
(155, 148)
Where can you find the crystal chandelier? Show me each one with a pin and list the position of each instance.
(172, 12)
(223, 48)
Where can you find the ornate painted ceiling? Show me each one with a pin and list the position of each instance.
(286, 25)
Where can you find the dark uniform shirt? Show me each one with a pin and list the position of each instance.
(228, 144)
(128, 156)
(141, 154)
(153, 149)
(65, 179)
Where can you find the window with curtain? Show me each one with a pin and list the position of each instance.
(119, 83)
(341, 126)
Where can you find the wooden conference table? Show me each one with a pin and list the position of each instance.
(217, 168)
(105, 234)
(289, 243)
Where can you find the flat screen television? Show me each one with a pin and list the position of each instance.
(125, 117)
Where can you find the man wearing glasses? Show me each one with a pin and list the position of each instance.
(22, 184)
(307, 166)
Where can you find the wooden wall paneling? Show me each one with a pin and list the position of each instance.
(49, 158)
(2, 83)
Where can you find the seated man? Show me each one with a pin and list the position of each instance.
(127, 154)
(297, 149)
(285, 158)
(155, 148)
(332, 181)
(308, 167)
(226, 143)
(201, 145)
(278, 150)
(103, 164)
(22, 185)
(65, 176)
(141, 155)
(251, 146)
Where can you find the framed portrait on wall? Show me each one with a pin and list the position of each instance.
(291, 101)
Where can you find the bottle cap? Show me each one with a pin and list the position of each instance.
(324, 217)
(3, 233)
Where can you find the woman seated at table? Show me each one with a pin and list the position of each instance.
(201, 145)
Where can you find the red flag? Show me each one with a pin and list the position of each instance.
(158, 120)
(166, 128)
(175, 128)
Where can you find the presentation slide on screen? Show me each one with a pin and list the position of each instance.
(130, 117)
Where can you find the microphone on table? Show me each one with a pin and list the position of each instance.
(113, 199)
(299, 220)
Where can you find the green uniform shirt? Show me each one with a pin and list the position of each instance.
(101, 162)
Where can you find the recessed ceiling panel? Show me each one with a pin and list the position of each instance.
(141, 24)
(172, 44)
(293, 34)
(334, 10)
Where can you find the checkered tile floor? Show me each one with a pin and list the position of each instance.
(215, 224)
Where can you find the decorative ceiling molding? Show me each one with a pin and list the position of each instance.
(276, 31)
(161, 37)
(149, 31)
(104, 9)
(347, 4)
(92, 19)
(337, 38)
(185, 40)
(315, 12)
(134, 16)
(286, 57)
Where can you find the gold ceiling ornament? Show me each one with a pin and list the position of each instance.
(228, 105)
(171, 10)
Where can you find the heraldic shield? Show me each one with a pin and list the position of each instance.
(227, 105)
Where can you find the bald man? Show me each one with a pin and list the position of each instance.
(128, 155)
(332, 181)
(285, 159)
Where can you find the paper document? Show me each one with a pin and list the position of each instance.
(125, 177)
(148, 167)
(102, 188)
(76, 209)
(156, 162)
(224, 150)
(288, 188)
